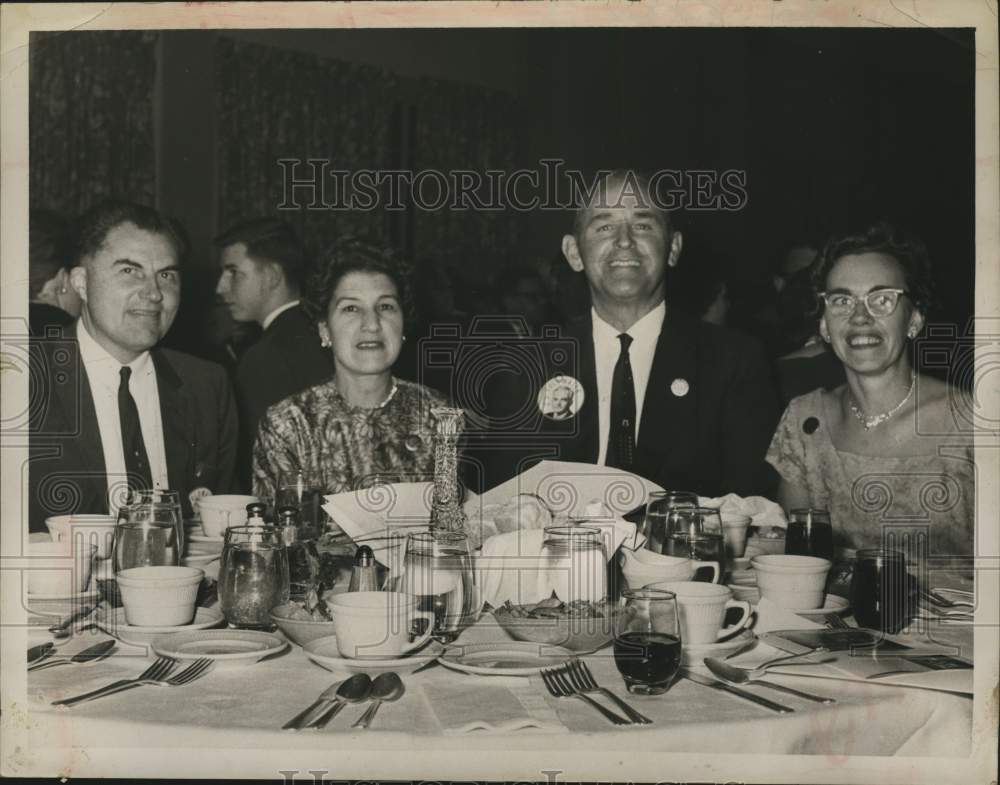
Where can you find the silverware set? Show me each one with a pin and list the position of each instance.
(157, 674)
(574, 680)
(45, 657)
(385, 688)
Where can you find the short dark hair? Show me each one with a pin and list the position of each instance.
(269, 240)
(96, 224)
(356, 255)
(885, 238)
(49, 247)
(600, 183)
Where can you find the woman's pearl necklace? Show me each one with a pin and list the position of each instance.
(876, 420)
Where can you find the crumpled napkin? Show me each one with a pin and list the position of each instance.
(762, 511)
(511, 567)
(491, 708)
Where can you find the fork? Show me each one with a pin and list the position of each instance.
(559, 687)
(195, 670)
(584, 681)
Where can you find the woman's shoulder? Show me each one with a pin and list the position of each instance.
(814, 403)
(303, 403)
(943, 408)
(423, 396)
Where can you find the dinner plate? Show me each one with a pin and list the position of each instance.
(78, 598)
(504, 659)
(226, 647)
(324, 652)
(693, 655)
(112, 621)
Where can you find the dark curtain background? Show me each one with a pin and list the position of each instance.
(91, 118)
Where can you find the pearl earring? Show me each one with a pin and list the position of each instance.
(63, 290)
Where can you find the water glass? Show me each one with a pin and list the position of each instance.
(147, 535)
(696, 533)
(253, 576)
(302, 491)
(881, 590)
(163, 496)
(810, 533)
(658, 509)
(575, 564)
(436, 567)
(647, 641)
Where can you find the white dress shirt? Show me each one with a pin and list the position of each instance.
(277, 312)
(645, 333)
(103, 373)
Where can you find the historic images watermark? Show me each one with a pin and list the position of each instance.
(316, 184)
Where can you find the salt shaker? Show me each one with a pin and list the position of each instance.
(364, 576)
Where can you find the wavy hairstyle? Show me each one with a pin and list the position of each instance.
(356, 255)
(884, 238)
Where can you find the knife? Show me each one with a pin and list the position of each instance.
(704, 681)
(329, 695)
(42, 650)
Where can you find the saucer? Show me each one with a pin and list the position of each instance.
(204, 538)
(112, 621)
(693, 655)
(324, 652)
(834, 603)
(228, 648)
(504, 659)
(78, 598)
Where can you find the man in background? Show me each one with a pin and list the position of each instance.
(113, 412)
(52, 301)
(263, 269)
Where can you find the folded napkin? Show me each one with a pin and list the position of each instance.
(511, 566)
(762, 511)
(490, 708)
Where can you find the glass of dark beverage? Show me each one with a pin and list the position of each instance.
(648, 641)
(880, 590)
(658, 508)
(810, 533)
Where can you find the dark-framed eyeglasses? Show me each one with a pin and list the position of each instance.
(879, 303)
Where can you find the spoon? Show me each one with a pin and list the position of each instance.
(355, 690)
(62, 629)
(386, 688)
(97, 652)
(734, 675)
(40, 652)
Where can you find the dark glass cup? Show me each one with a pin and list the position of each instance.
(647, 641)
(810, 533)
(880, 590)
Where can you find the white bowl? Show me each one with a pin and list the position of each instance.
(159, 596)
(58, 568)
(98, 530)
(219, 512)
(792, 582)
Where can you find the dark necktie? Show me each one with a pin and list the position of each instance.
(621, 429)
(136, 461)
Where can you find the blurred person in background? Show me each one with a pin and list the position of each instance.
(52, 302)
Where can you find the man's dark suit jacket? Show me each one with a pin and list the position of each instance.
(66, 471)
(711, 440)
(286, 359)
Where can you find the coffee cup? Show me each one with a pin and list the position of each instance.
(702, 608)
(96, 530)
(58, 568)
(219, 512)
(377, 623)
(790, 581)
(644, 567)
(162, 596)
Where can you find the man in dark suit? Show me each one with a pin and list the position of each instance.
(686, 404)
(110, 411)
(263, 266)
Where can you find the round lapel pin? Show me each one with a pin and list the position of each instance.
(560, 398)
(680, 387)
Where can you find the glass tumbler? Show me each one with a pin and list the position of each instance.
(647, 642)
(658, 509)
(253, 576)
(147, 535)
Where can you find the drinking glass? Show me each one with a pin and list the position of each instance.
(302, 490)
(437, 569)
(880, 590)
(648, 641)
(810, 533)
(162, 496)
(147, 535)
(576, 564)
(253, 576)
(658, 508)
(696, 533)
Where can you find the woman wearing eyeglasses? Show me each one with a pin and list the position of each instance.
(885, 452)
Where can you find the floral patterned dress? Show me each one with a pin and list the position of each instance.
(921, 501)
(344, 447)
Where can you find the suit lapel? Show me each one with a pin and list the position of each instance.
(670, 409)
(173, 413)
(581, 331)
